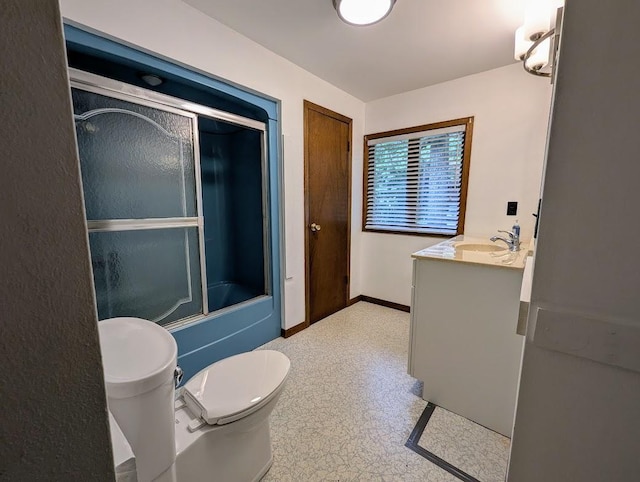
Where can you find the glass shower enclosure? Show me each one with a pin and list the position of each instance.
(176, 202)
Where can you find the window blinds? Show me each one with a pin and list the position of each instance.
(414, 181)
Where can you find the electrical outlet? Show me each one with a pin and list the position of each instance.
(512, 208)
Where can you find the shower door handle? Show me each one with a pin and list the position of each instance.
(315, 227)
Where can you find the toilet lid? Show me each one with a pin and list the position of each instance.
(137, 355)
(237, 384)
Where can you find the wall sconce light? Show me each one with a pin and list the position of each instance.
(536, 43)
(363, 12)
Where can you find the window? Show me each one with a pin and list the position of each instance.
(416, 179)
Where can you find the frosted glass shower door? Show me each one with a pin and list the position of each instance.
(141, 187)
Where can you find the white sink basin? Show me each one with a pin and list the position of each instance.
(480, 248)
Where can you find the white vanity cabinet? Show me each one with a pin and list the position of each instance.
(463, 341)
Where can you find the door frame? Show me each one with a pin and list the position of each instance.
(310, 106)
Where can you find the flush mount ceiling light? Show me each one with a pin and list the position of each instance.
(536, 43)
(363, 12)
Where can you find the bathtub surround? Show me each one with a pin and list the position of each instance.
(232, 176)
(54, 415)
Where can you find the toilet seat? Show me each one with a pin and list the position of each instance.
(235, 387)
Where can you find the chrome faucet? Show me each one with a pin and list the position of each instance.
(513, 242)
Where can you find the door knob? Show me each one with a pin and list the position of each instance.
(315, 227)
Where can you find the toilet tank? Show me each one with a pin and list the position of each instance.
(139, 359)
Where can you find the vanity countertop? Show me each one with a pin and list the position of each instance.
(477, 250)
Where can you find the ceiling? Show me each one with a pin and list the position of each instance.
(421, 43)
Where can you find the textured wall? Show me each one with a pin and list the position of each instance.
(577, 419)
(53, 423)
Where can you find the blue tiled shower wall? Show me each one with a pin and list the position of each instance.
(233, 230)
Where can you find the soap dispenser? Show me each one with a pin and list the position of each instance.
(516, 234)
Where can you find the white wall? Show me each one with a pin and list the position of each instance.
(511, 110)
(54, 422)
(577, 415)
(175, 30)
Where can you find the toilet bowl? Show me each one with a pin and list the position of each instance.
(216, 428)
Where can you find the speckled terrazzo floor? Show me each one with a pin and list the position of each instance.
(349, 405)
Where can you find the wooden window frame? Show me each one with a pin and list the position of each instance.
(466, 165)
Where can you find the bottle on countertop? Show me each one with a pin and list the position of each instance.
(516, 229)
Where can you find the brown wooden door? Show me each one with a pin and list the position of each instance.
(327, 138)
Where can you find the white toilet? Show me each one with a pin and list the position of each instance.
(216, 429)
